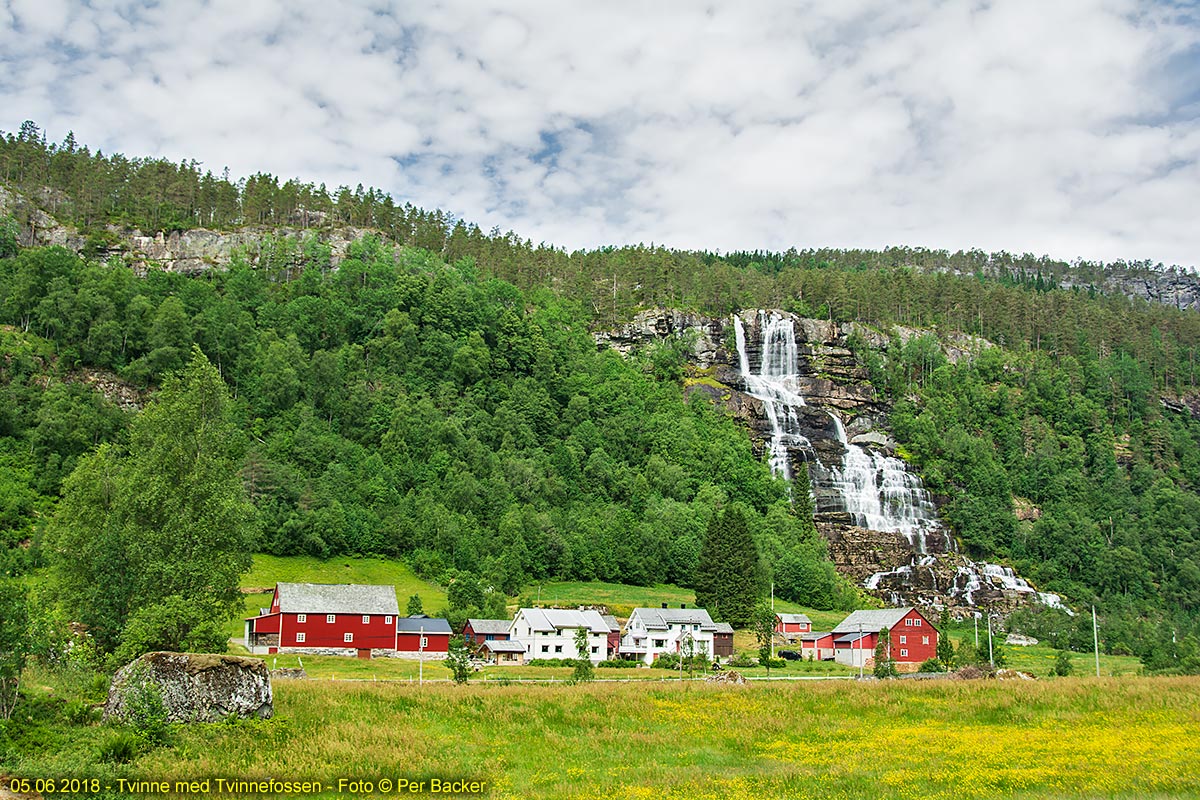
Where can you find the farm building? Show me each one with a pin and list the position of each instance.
(420, 636)
(650, 632)
(550, 632)
(478, 631)
(722, 640)
(614, 635)
(817, 645)
(792, 625)
(913, 638)
(346, 618)
(502, 651)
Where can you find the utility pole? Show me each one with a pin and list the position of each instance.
(421, 656)
(991, 658)
(773, 622)
(975, 617)
(1096, 640)
(860, 655)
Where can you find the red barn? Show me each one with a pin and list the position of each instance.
(913, 638)
(422, 637)
(792, 625)
(817, 645)
(308, 616)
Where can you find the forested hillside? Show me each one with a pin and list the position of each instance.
(444, 401)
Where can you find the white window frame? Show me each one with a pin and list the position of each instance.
(917, 622)
(347, 637)
(924, 640)
(366, 619)
(300, 637)
(904, 654)
(908, 622)
(330, 618)
(903, 639)
(424, 641)
(302, 618)
(387, 620)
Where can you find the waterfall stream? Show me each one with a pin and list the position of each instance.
(875, 489)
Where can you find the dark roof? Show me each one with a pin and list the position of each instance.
(852, 638)
(490, 625)
(337, 598)
(416, 624)
(504, 646)
(722, 627)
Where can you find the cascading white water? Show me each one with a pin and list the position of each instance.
(875, 489)
(775, 385)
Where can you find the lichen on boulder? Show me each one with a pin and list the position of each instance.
(195, 687)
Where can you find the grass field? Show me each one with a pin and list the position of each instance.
(1067, 738)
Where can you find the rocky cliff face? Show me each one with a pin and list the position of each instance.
(914, 563)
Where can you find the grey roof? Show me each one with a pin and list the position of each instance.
(611, 621)
(722, 627)
(814, 635)
(550, 619)
(496, 626)
(794, 619)
(417, 624)
(660, 618)
(504, 646)
(873, 620)
(337, 598)
(851, 638)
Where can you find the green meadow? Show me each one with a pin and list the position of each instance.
(1063, 738)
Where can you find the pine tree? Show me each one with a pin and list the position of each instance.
(727, 569)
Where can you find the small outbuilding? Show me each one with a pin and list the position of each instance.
(422, 637)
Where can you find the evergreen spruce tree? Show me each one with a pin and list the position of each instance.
(727, 569)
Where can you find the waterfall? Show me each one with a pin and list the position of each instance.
(875, 489)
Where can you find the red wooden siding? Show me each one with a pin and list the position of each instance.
(376, 633)
(434, 643)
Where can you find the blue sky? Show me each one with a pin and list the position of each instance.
(1064, 127)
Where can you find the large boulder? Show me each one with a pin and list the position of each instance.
(195, 687)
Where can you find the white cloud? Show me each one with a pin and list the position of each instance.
(1021, 125)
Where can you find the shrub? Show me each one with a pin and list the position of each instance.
(121, 747)
(550, 662)
(741, 660)
(932, 665)
(773, 663)
(1062, 664)
(619, 663)
(145, 711)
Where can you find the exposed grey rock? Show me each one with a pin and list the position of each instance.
(195, 687)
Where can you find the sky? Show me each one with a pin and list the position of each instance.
(1068, 128)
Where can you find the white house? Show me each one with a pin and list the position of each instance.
(550, 633)
(650, 632)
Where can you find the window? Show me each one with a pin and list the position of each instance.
(917, 623)
(347, 637)
(366, 619)
(300, 637)
(660, 642)
(924, 640)
(424, 641)
(330, 618)
(908, 622)
(558, 648)
(595, 649)
(903, 639)
(696, 627)
(545, 648)
(387, 620)
(302, 618)
(904, 654)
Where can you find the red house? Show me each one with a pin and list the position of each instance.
(792, 625)
(913, 637)
(420, 636)
(478, 631)
(344, 617)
